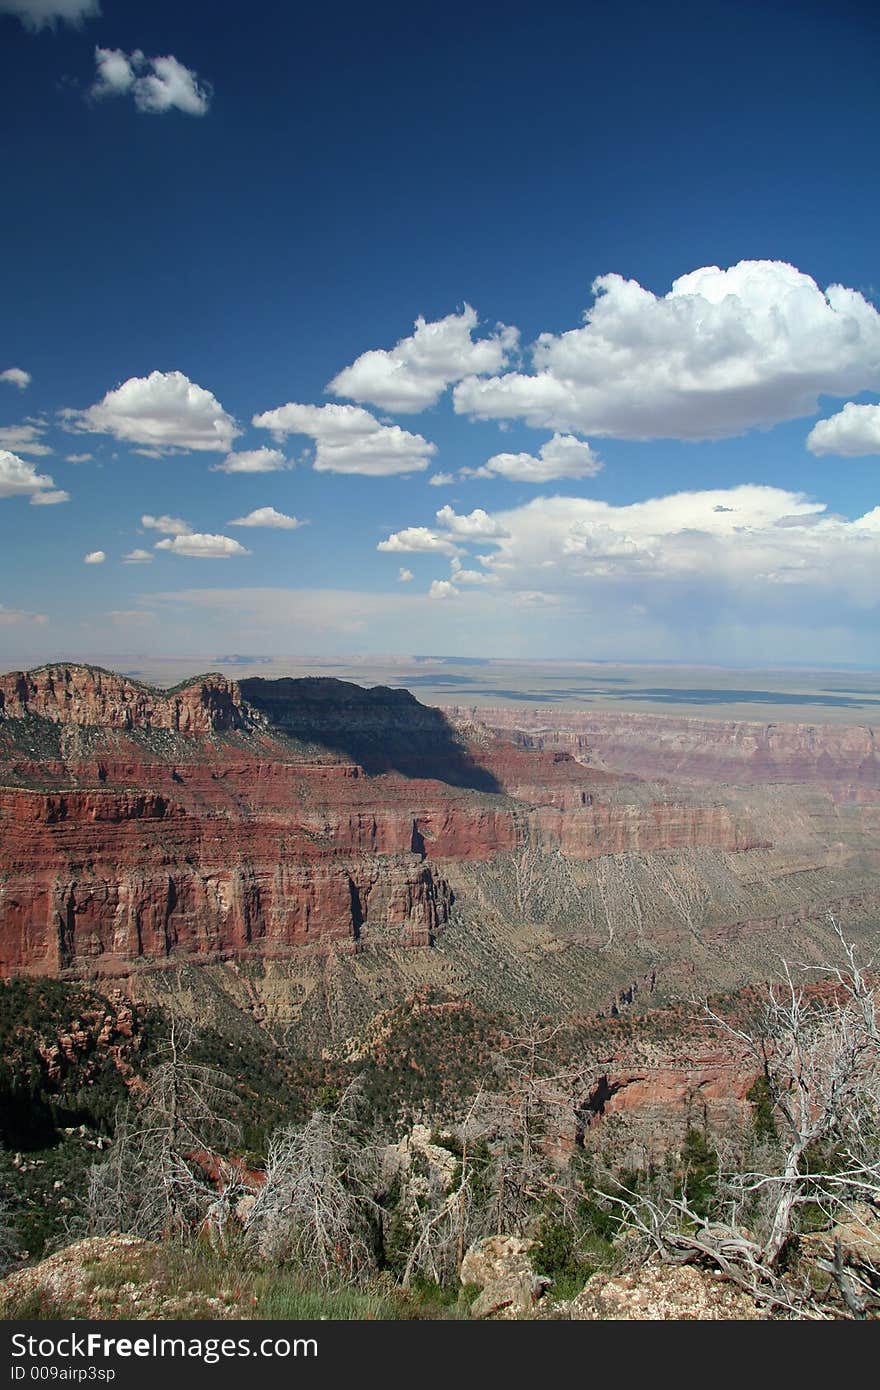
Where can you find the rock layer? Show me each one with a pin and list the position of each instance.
(264, 817)
(740, 752)
(89, 696)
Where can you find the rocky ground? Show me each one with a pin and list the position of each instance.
(661, 1293)
(107, 1277)
(118, 1277)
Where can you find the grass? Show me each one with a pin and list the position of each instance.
(182, 1276)
(280, 1296)
(35, 1306)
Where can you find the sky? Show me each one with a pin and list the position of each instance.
(499, 331)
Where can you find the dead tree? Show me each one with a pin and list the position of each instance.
(527, 1117)
(165, 1174)
(315, 1208)
(817, 1049)
(450, 1216)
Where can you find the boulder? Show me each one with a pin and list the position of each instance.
(501, 1267)
(662, 1293)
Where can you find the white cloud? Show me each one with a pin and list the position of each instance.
(252, 461)
(851, 433)
(689, 564)
(414, 374)
(95, 557)
(156, 84)
(203, 547)
(267, 516)
(40, 14)
(441, 479)
(115, 72)
(442, 589)
(724, 351)
(474, 526)
(18, 477)
(16, 376)
(405, 576)
(49, 499)
(563, 456)
(25, 439)
(164, 411)
(750, 545)
(462, 576)
(137, 557)
(169, 525)
(418, 539)
(350, 440)
(78, 458)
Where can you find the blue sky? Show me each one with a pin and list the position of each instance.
(214, 211)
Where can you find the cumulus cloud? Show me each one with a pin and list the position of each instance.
(751, 545)
(41, 14)
(164, 410)
(267, 516)
(24, 439)
(156, 84)
(95, 557)
(77, 458)
(418, 539)
(441, 479)
(170, 525)
(138, 557)
(405, 576)
(724, 351)
(474, 526)
(18, 477)
(851, 433)
(414, 374)
(203, 547)
(563, 456)
(690, 562)
(442, 589)
(461, 575)
(16, 376)
(253, 461)
(350, 440)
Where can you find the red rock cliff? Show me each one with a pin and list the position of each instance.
(221, 819)
(87, 696)
(844, 758)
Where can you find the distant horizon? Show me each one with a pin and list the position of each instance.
(817, 695)
(207, 663)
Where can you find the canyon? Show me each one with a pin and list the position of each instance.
(307, 848)
(336, 882)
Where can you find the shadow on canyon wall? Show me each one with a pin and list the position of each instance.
(384, 730)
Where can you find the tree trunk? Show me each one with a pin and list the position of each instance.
(788, 1191)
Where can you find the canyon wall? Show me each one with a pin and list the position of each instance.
(266, 818)
(845, 758)
(89, 697)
